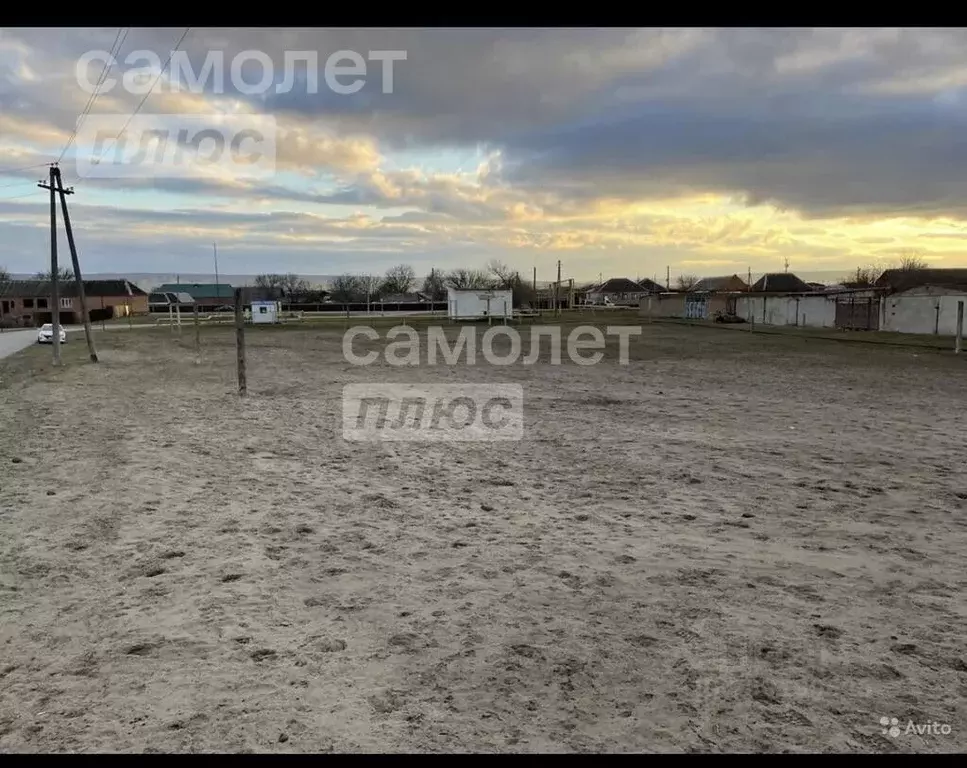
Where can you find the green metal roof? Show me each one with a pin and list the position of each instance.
(196, 290)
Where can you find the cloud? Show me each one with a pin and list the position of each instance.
(697, 145)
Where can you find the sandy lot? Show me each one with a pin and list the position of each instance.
(735, 542)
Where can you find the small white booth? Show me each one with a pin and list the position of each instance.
(265, 311)
(479, 304)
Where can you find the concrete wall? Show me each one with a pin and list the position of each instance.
(806, 311)
(673, 305)
(472, 304)
(661, 305)
(913, 313)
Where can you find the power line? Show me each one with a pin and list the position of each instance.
(18, 183)
(115, 50)
(17, 197)
(24, 168)
(160, 73)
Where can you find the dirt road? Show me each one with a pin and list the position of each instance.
(735, 542)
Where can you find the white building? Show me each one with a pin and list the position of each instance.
(265, 311)
(924, 309)
(479, 304)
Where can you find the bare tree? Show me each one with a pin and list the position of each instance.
(4, 275)
(468, 279)
(348, 288)
(435, 286)
(686, 282)
(911, 260)
(503, 276)
(293, 285)
(399, 279)
(270, 280)
(64, 275)
(373, 286)
(863, 277)
(507, 279)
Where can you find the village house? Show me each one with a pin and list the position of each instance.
(708, 297)
(901, 300)
(208, 296)
(29, 302)
(781, 282)
(163, 302)
(622, 290)
(921, 300)
(724, 284)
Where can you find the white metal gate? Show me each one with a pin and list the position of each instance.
(696, 307)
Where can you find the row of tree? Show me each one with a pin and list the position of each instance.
(866, 276)
(401, 280)
(63, 274)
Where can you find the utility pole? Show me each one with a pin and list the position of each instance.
(959, 340)
(535, 287)
(54, 287)
(194, 308)
(78, 278)
(240, 343)
(557, 288)
(750, 279)
(668, 278)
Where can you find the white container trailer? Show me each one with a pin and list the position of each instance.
(265, 311)
(479, 304)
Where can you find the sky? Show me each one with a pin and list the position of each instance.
(619, 152)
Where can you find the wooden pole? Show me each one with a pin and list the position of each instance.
(197, 334)
(557, 288)
(240, 342)
(536, 301)
(958, 345)
(54, 286)
(85, 316)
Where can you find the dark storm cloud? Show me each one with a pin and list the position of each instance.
(827, 122)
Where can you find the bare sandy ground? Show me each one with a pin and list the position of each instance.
(736, 542)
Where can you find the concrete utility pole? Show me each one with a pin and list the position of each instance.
(54, 287)
(75, 262)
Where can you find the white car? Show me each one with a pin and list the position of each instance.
(46, 334)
